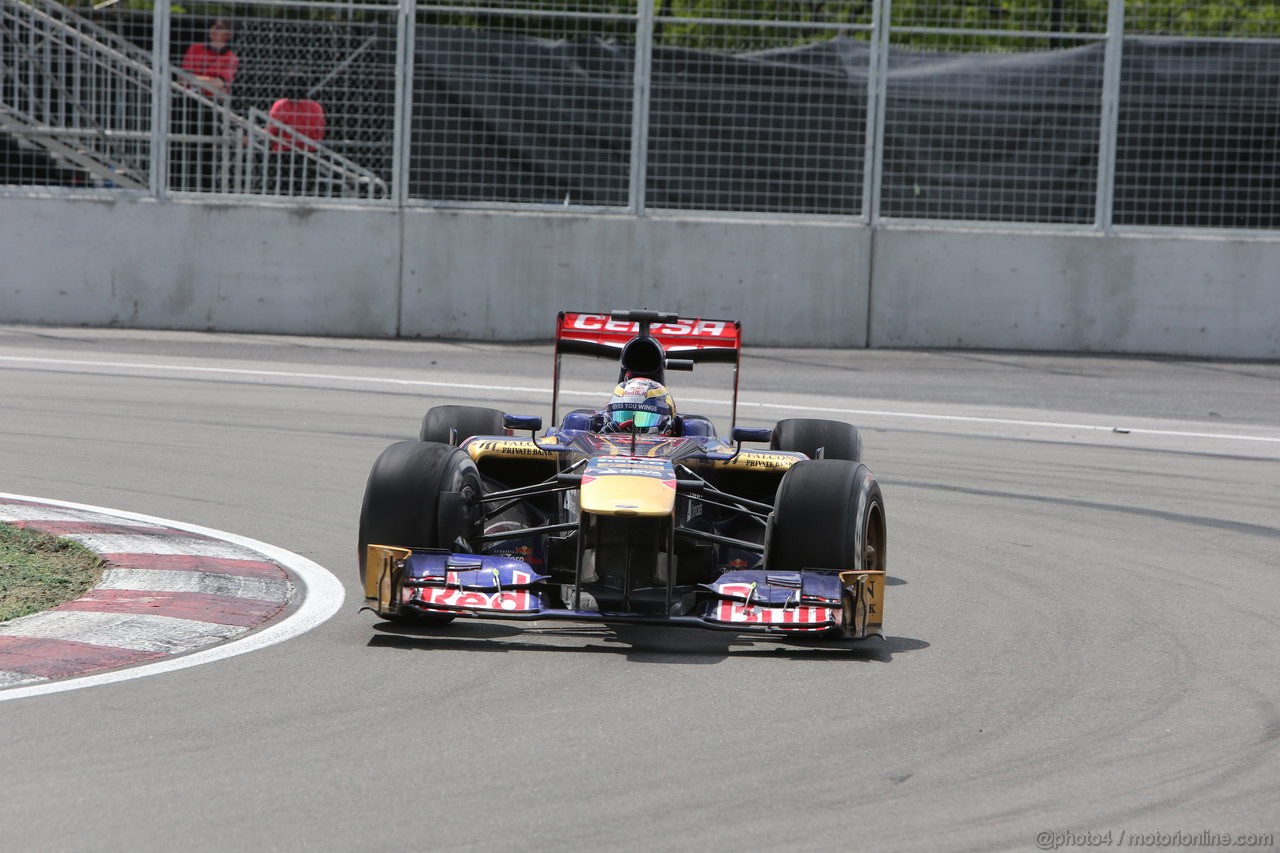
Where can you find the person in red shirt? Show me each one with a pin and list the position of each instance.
(290, 171)
(196, 161)
(213, 63)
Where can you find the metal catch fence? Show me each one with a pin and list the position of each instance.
(1065, 113)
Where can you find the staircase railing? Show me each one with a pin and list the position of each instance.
(269, 166)
(77, 89)
(85, 95)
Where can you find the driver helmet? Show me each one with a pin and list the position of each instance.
(640, 405)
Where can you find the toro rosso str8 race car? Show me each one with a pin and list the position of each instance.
(636, 514)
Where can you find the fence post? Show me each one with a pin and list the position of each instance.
(158, 174)
(642, 88)
(877, 87)
(402, 128)
(1104, 210)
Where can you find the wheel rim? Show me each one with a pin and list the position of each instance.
(873, 541)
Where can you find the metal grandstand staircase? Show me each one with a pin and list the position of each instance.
(84, 95)
(77, 90)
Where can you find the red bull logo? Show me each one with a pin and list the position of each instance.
(798, 617)
(514, 601)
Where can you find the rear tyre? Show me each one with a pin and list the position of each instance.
(837, 439)
(828, 514)
(467, 420)
(402, 504)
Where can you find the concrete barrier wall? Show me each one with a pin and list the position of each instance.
(150, 264)
(1206, 296)
(501, 276)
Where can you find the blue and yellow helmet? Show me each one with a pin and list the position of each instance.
(640, 405)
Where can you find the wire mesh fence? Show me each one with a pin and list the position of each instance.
(326, 71)
(1199, 134)
(75, 101)
(993, 135)
(533, 107)
(758, 114)
(1082, 113)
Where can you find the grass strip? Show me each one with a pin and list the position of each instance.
(39, 571)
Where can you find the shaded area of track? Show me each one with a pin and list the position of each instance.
(1082, 629)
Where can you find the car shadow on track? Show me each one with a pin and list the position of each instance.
(640, 644)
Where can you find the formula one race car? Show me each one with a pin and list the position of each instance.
(632, 514)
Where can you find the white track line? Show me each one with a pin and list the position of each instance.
(525, 389)
(322, 596)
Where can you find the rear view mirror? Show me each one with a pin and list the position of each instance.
(757, 434)
(521, 423)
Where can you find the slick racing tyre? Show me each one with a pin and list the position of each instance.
(467, 420)
(836, 439)
(828, 514)
(402, 500)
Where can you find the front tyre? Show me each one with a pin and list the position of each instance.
(402, 501)
(828, 514)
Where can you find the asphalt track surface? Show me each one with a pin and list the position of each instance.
(1083, 619)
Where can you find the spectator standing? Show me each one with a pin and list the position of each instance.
(290, 171)
(213, 64)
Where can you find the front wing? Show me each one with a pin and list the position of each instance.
(817, 604)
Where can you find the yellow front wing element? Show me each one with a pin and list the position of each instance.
(383, 567)
(614, 486)
(868, 608)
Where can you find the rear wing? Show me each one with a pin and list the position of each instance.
(647, 343)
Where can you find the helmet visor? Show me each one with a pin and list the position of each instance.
(643, 421)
